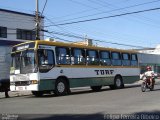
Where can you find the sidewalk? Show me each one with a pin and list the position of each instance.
(16, 94)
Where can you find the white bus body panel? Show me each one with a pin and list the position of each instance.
(24, 77)
(88, 72)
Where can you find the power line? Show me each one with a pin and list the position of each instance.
(123, 8)
(112, 16)
(101, 41)
(83, 4)
(84, 11)
(44, 7)
(82, 35)
(77, 13)
(112, 35)
(79, 37)
(59, 26)
(97, 2)
(104, 2)
(121, 44)
(113, 10)
(61, 39)
(64, 34)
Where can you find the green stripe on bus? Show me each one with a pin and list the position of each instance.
(46, 84)
(81, 82)
(130, 79)
(49, 84)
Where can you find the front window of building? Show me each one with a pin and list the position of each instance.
(25, 34)
(3, 32)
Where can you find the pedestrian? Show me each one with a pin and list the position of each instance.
(6, 93)
(4, 86)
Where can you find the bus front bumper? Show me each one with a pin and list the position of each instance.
(32, 87)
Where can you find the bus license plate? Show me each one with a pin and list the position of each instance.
(20, 88)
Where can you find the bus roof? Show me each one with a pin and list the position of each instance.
(23, 43)
(62, 44)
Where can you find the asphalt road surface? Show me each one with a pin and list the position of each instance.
(128, 103)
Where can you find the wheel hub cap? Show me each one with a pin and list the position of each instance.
(60, 87)
(118, 82)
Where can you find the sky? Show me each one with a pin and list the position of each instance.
(141, 30)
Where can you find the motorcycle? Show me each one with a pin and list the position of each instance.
(146, 84)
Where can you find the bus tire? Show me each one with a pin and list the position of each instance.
(37, 93)
(118, 82)
(96, 88)
(61, 87)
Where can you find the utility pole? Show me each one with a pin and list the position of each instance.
(37, 21)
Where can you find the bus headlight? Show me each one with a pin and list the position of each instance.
(34, 82)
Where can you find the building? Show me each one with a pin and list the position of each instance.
(155, 50)
(149, 57)
(152, 60)
(15, 27)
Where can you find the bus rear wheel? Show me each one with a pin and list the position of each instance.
(118, 82)
(96, 88)
(37, 93)
(61, 87)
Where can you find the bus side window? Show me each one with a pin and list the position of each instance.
(45, 60)
(50, 57)
(134, 60)
(105, 58)
(116, 59)
(63, 55)
(46, 57)
(92, 57)
(78, 56)
(126, 59)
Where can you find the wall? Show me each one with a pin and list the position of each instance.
(5, 61)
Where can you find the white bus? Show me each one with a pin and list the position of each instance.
(46, 67)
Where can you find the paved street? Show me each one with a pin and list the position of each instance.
(83, 103)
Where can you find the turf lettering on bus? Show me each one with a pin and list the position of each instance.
(104, 72)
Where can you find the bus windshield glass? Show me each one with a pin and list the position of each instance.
(23, 62)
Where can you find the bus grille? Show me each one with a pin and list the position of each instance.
(22, 83)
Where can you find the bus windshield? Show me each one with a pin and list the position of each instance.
(23, 62)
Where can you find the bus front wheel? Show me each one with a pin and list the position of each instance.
(61, 87)
(96, 88)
